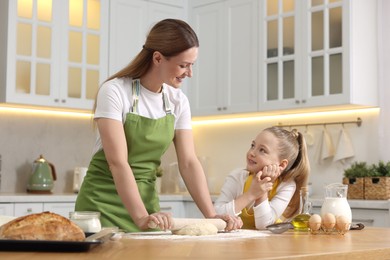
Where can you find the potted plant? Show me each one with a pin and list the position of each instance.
(354, 178)
(377, 183)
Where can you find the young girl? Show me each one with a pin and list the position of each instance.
(268, 189)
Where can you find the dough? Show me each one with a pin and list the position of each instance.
(197, 229)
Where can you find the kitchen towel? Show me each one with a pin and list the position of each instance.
(344, 150)
(327, 149)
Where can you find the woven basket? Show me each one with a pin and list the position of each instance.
(377, 188)
(355, 187)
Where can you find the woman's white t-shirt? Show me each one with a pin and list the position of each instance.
(114, 101)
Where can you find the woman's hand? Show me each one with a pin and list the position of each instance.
(161, 220)
(232, 222)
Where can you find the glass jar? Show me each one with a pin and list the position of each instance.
(88, 221)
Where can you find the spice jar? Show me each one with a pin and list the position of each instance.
(88, 221)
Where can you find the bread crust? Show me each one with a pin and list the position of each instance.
(42, 226)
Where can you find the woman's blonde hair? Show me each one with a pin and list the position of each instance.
(292, 146)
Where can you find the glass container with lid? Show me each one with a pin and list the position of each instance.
(88, 221)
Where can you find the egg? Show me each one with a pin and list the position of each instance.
(328, 221)
(315, 222)
(342, 224)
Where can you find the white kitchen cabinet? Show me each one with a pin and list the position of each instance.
(6, 209)
(130, 22)
(22, 209)
(61, 208)
(225, 74)
(318, 54)
(53, 53)
(176, 208)
(191, 210)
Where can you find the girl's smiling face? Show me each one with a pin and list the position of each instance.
(263, 151)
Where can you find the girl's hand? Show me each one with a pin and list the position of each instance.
(273, 171)
(260, 186)
(232, 222)
(161, 220)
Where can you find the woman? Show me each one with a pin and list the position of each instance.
(139, 111)
(268, 189)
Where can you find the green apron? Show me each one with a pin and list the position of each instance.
(147, 140)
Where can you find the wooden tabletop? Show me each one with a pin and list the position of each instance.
(370, 243)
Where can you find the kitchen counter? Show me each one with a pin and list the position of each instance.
(370, 243)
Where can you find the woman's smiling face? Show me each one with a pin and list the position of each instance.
(178, 67)
(263, 151)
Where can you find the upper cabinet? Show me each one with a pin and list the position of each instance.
(54, 53)
(225, 73)
(282, 55)
(130, 22)
(317, 53)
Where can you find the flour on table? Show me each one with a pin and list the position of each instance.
(197, 229)
(167, 235)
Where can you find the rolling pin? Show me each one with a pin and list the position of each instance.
(179, 223)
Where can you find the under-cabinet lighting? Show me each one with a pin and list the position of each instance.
(285, 117)
(45, 112)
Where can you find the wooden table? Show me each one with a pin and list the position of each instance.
(370, 243)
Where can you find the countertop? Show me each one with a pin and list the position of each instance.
(370, 243)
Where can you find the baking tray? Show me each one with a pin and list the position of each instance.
(47, 245)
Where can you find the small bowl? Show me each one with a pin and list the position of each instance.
(279, 228)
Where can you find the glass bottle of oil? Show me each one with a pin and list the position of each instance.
(301, 221)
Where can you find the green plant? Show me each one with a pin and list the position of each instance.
(380, 170)
(357, 170)
(159, 171)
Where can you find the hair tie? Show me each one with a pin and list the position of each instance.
(146, 48)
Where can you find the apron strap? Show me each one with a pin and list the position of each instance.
(136, 92)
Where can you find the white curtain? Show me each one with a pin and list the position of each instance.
(384, 78)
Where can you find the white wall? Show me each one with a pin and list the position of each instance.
(225, 145)
(64, 141)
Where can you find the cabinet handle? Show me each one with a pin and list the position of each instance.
(303, 101)
(219, 109)
(56, 100)
(166, 208)
(29, 210)
(297, 102)
(63, 100)
(363, 220)
(224, 108)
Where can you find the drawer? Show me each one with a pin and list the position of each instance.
(61, 208)
(22, 209)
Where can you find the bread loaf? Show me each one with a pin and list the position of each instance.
(42, 226)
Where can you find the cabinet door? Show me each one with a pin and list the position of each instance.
(22, 209)
(174, 207)
(84, 53)
(61, 208)
(130, 22)
(279, 49)
(191, 210)
(209, 69)
(317, 53)
(56, 52)
(7, 209)
(127, 32)
(241, 86)
(225, 74)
